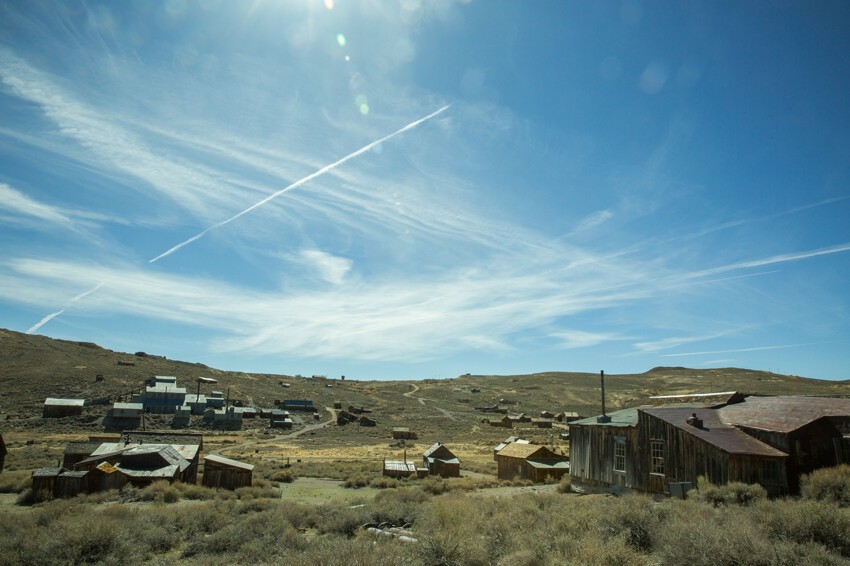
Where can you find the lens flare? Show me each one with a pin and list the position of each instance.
(340, 39)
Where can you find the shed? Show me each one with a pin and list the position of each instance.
(404, 433)
(344, 417)
(44, 482)
(399, 468)
(530, 462)
(224, 472)
(366, 421)
(504, 422)
(441, 461)
(547, 415)
(542, 423)
(126, 411)
(54, 408)
(277, 422)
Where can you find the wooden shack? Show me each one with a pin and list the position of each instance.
(530, 462)
(78, 451)
(542, 423)
(57, 408)
(440, 461)
(44, 483)
(344, 417)
(366, 421)
(399, 469)
(404, 433)
(226, 473)
(504, 422)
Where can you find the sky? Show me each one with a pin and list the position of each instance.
(411, 189)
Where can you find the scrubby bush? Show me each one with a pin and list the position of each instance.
(733, 493)
(565, 485)
(384, 482)
(284, 476)
(15, 482)
(827, 484)
(634, 518)
(808, 522)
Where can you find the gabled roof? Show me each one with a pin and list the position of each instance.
(783, 414)
(439, 452)
(527, 451)
(714, 431)
(624, 417)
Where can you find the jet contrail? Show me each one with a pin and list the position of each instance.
(300, 182)
(53, 315)
(43, 321)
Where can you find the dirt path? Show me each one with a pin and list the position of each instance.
(279, 437)
(448, 414)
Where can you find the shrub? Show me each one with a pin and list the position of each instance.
(284, 476)
(635, 518)
(806, 522)
(15, 482)
(384, 482)
(733, 493)
(827, 484)
(565, 485)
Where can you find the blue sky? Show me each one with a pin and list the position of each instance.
(559, 186)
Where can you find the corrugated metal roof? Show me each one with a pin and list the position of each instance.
(166, 472)
(399, 466)
(714, 431)
(227, 462)
(53, 402)
(548, 464)
(46, 472)
(783, 414)
(128, 406)
(444, 460)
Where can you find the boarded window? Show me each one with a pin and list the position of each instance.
(619, 455)
(656, 457)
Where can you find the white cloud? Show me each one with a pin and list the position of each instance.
(571, 339)
(594, 220)
(331, 268)
(18, 203)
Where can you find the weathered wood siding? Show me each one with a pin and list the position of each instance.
(686, 457)
(592, 456)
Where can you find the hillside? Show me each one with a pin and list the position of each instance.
(37, 367)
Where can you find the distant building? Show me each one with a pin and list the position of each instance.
(223, 418)
(542, 423)
(163, 396)
(404, 433)
(399, 469)
(226, 473)
(126, 411)
(530, 462)
(366, 421)
(55, 408)
(440, 461)
(509, 440)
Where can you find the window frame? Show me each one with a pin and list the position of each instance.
(656, 457)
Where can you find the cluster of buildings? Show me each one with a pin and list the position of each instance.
(138, 459)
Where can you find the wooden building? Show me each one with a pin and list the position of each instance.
(55, 408)
(78, 451)
(224, 472)
(766, 440)
(542, 423)
(404, 433)
(530, 462)
(504, 422)
(440, 461)
(44, 483)
(400, 469)
(509, 440)
(366, 421)
(344, 417)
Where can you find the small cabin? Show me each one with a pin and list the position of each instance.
(57, 408)
(226, 473)
(404, 433)
(441, 461)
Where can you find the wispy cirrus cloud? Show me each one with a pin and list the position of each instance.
(673, 342)
(23, 208)
(570, 339)
(329, 267)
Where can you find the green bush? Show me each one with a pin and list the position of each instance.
(827, 484)
(808, 522)
(733, 493)
(635, 518)
(565, 485)
(284, 476)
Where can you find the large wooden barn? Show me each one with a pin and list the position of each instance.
(766, 440)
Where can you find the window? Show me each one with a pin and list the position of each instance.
(656, 457)
(619, 455)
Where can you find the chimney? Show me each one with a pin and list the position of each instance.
(694, 421)
(603, 418)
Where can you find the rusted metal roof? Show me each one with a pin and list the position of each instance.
(714, 431)
(716, 398)
(783, 414)
(517, 450)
